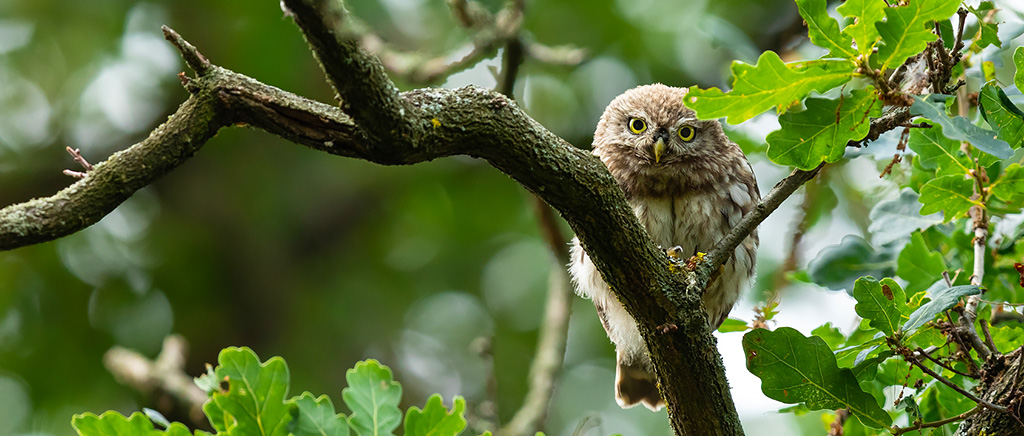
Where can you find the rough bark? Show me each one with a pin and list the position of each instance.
(1003, 384)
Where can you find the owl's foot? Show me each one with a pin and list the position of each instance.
(666, 328)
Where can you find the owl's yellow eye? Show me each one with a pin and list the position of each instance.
(686, 133)
(637, 125)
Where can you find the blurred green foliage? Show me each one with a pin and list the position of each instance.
(329, 261)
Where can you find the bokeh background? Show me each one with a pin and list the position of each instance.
(325, 260)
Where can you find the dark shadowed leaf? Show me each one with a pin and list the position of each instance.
(894, 219)
(837, 267)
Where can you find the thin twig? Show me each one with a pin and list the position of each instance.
(988, 337)
(921, 352)
(982, 402)
(836, 427)
(727, 245)
(77, 155)
(896, 431)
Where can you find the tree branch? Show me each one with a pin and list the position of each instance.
(166, 372)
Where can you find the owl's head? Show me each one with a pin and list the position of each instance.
(651, 125)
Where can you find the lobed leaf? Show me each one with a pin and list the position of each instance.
(111, 423)
(820, 133)
(373, 396)
(949, 194)
(879, 303)
(1002, 114)
(941, 301)
(798, 369)
(906, 31)
(865, 14)
(769, 83)
(317, 417)
(1009, 187)
(919, 265)
(960, 128)
(435, 419)
(837, 267)
(936, 151)
(255, 401)
(1018, 61)
(988, 31)
(894, 219)
(823, 30)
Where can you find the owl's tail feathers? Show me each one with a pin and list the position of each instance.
(636, 384)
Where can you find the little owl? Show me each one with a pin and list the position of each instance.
(688, 185)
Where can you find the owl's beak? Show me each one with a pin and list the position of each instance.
(658, 149)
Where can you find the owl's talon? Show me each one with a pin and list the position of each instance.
(666, 328)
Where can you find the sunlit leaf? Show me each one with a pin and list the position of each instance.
(797, 369)
(372, 396)
(895, 219)
(936, 151)
(1002, 114)
(1009, 187)
(255, 400)
(919, 265)
(435, 419)
(949, 194)
(988, 29)
(114, 424)
(907, 29)
(733, 325)
(1018, 61)
(317, 417)
(821, 132)
(865, 13)
(837, 267)
(960, 128)
(830, 334)
(767, 84)
(941, 301)
(1007, 337)
(823, 30)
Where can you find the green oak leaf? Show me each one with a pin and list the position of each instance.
(941, 301)
(255, 401)
(769, 83)
(837, 267)
(919, 265)
(879, 302)
(435, 419)
(820, 133)
(960, 128)
(1007, 337)
(373, 396)
(823, 30)
(988, 33)
(936, 151)
(1018, 61)
(1009, 187)
(865, 14)
(949, 194)
(1002, 114)
(830, 334)
(907, 30)
(111, 423)
(892, 220)
(797, 369)
(733, 325)
(317, 417)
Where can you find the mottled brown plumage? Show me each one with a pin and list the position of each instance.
(688, 185)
